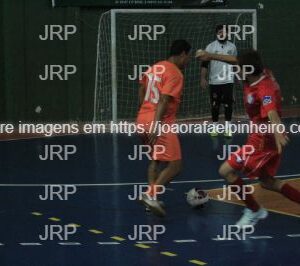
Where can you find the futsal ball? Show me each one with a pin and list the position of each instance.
(196, 197)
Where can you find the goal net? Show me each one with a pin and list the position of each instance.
(121, 55)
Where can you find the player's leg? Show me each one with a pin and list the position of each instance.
(215, 102)
(276, 185)
(153, 171)
(253, 212)
(172, 157)
(237, 185)
(169, 172)
(153, 168)
(149, 199)
(163, 178)
(268, 181)
(227, 92)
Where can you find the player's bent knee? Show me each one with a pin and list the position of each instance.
(271, 184)
(222, 171)
(225, 169)
(228, 172)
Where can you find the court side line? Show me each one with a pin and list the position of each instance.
(290, 179)
(271, 210)
(131, 184)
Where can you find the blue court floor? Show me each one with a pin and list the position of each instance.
(103, 216)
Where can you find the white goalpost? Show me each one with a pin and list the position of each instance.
(121, 58)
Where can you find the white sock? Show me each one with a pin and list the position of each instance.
(227, 125)
(215, 125)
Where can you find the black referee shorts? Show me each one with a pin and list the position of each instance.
(221, 94)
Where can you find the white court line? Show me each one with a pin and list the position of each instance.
(108, 184)
(108, 243)
(221, 239)
(293, 235)
(185, 241)
(147, 242)
(30, 244)
(261, 237)
(69, 243)
(131, 184)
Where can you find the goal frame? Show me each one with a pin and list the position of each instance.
(113, 24)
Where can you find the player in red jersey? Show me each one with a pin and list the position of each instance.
(262, 100)
(159, 95)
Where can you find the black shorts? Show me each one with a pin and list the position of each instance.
(222, 93)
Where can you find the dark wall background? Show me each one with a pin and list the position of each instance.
(23, 56)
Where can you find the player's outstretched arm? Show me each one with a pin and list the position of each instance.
(205, 56)
(280, 138)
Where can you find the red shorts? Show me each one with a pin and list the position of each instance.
(167, 146)
(262, 160)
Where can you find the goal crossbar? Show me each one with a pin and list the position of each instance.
(113, 42)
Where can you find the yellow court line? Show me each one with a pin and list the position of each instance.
(55, 219)
(73, 224)
(37, 213)
(198, 262)
(118, 238)
(142, 246)
(169, 254)
(95, 231)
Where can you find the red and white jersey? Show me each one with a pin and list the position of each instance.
(261, 97)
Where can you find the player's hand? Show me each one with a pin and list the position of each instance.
(281, 141)
(204, 84)
(202, 55)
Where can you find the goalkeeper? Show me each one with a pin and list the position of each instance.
(220, 78)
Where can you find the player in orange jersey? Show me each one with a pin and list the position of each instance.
(159, 95)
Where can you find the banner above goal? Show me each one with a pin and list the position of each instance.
(140, 3)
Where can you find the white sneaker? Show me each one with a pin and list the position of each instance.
(214, 133)
(251, 218)
(228, 133)
(153, 205)
(162, 204)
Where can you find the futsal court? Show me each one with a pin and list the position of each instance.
(79, 62)
(104, 216)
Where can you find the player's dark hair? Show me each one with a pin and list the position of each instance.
(253, 58)
(220, 27)
(179, 46)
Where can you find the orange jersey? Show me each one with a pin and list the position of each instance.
(166, 78)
